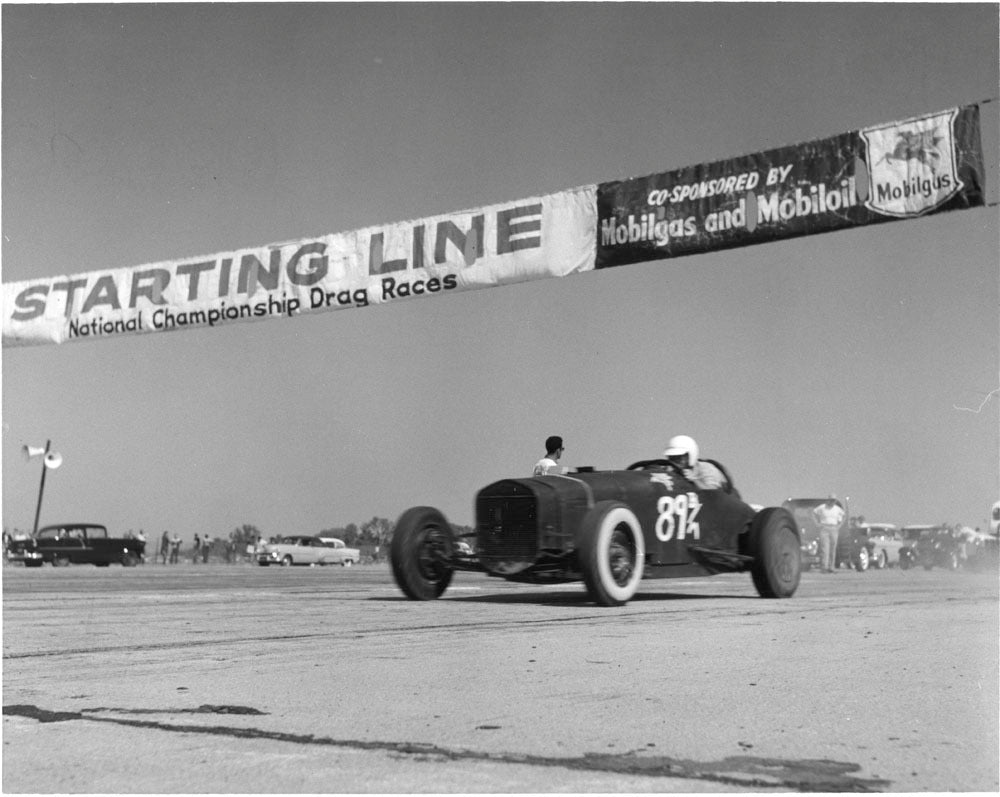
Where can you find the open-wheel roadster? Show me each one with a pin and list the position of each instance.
(609, 529)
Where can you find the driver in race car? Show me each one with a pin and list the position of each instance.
(683, 452)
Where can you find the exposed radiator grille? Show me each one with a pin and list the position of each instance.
(508, 527)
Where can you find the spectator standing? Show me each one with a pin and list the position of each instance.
(175, 548)
(829, 517)
(196, 549)
(164, 546)
(206, 546)
(549, 464)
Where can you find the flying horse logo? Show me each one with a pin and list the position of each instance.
(911, 165)
(918, 145)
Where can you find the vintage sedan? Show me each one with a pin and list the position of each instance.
(929, 545)
(608, 529)
(884, 542)
(306, 549)
(77, 543)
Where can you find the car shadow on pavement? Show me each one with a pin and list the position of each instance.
(567, 598)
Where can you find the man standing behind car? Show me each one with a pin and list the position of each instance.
(549, 464)
(829, 516)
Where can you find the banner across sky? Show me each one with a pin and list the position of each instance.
(898, 170)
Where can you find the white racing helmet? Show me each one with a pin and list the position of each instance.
(682, 445)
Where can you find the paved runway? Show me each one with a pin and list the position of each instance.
(235, 678)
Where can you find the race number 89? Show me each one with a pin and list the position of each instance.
(678, 515)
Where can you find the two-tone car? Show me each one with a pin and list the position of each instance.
(307, 549)
(609, 529)
(884, 542)
(77, 543)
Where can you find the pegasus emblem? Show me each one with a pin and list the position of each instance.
(920, 145)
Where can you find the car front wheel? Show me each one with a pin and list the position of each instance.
(286, 561)
(612, 553)
(881, 561)
(862, 560)
(422, 545)
(776, 555)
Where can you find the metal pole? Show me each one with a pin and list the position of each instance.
(41, 488)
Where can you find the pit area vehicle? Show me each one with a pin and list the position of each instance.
(852, 544)
(608, 529)
(928, 546)
(884, 543)
(306, 549)
(77, 543)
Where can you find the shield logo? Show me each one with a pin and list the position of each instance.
(911, 165)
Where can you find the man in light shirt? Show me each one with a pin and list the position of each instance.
(549, 464)
(829, 517)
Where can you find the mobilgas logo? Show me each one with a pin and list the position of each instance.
(911, 165)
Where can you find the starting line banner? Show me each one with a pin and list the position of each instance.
(899, 170)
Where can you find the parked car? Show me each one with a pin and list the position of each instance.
(608, 529)
(306, 549)
(852, 550)
(76, 543)
(884, 543)
(929, 545)
(982, 551)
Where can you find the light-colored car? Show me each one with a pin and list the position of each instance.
(305, 549)
(884, 544)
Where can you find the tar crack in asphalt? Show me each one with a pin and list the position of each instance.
(808, 775)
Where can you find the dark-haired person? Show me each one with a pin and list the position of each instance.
(549, 464)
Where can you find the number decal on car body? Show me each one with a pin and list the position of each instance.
(678, 514)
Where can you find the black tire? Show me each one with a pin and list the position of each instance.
(612, 553)
(32, 562)
(263, 564)
(777, 558)
(422, 546)
(60, 561)
(862, 560)
(287, 560)
(129, 560)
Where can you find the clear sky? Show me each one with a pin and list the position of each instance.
(854, 362)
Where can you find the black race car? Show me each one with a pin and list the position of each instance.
(609, 529)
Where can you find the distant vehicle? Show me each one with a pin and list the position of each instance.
(608, 529)
(852, 550)
(307, 549)
(77, 543)
(884, 543)
(928, 546)
(995, 519)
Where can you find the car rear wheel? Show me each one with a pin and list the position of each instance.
(777, 565)
(422, 545)
(286, 561)
(862, 560)
(612, 553)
